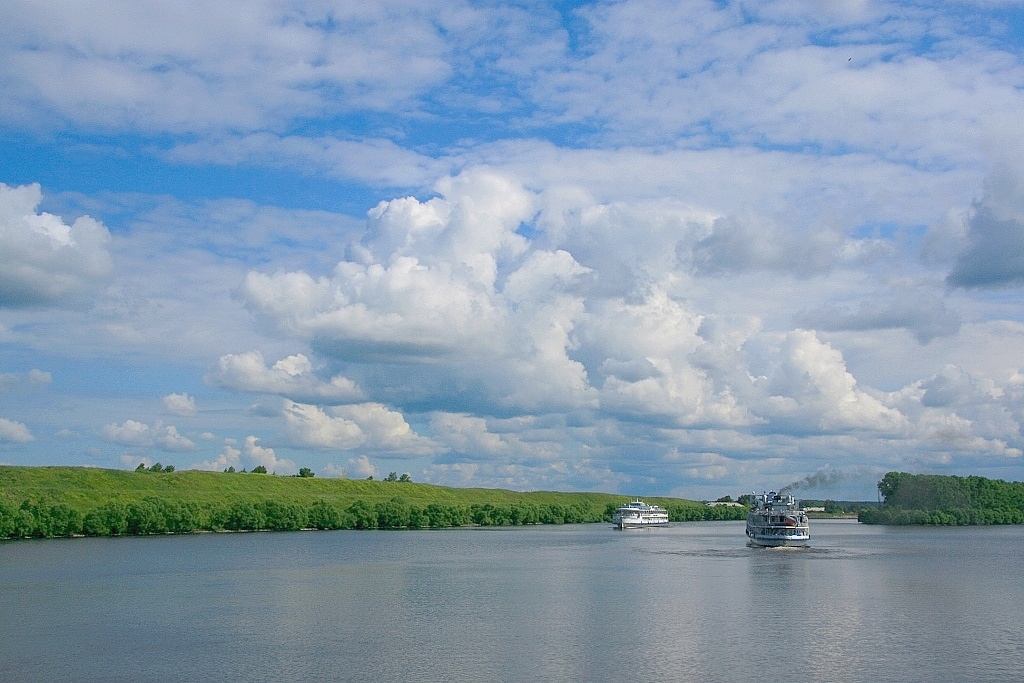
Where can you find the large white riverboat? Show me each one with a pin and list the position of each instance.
(777, 520)
(638, 514)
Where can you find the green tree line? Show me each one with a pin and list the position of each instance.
(946, 500)
(151, 515)
(43, 502)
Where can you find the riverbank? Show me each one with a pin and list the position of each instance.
(69, 501)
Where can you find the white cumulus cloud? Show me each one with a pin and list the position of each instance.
(14, 432)
(258, 455)
(293, 377)
(812, 386)
(366, 425)
(229, 457)
(180, 404)
(141, 435)
(44, 261)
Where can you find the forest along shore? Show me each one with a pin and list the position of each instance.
(47, 502)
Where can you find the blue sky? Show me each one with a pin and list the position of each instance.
(688, 249)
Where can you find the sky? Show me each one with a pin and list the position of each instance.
(651, 248)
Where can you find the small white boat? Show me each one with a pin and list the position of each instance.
(777, 520)
(638, 514)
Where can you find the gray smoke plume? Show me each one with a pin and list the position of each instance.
(821, 480)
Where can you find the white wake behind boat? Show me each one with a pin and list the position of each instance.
(777, 520)
(638, 514)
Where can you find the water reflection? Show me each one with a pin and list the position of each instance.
(584, 603)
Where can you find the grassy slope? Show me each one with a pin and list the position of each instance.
(86, 488)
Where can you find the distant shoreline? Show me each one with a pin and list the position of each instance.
(51, 502)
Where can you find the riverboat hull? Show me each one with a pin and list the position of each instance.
(642, 524)
(771, 540)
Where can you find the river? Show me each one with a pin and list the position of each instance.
(555, 603)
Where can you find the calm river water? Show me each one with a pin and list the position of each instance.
(559, 603)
